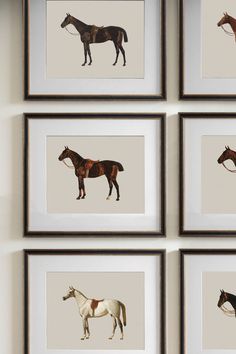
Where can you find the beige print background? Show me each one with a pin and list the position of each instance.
(218, 329)
(219, 49)
(218, 185)
(64, 324)
(65, 52)
(62, 184)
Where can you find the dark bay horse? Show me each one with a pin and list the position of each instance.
(224, 297)
(231, 21)
(103, 34)
(228, 154)
(99, 168)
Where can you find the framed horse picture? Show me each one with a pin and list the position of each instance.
(208, 301)
(207, 49)
(90, 301)
(207, 174)
(91, 174)
(91, 49)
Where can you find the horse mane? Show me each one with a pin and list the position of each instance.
(79, 22)
(80, 293)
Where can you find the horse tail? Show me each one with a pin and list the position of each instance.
(123, 312)
(120, 167)
(125, 35)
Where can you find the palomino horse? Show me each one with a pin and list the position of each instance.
(89, 308)
(231, 21)
(99, 168)
(224, 297)
(228, 154)
(100, 35)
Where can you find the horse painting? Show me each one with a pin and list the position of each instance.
(227, 19)
(86, 168)
(227, 297)
(93, 34)
(228, 154)
(91, 308)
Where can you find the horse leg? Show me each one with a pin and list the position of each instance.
(123, 52)
(121, 328)
(110, 187)
(117, 53)
(85, 54)
(80, 188)
(83, 188)
(117, 189)
(89, 53)
(114, 327)
(87, 328)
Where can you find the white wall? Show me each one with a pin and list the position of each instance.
(11, 176)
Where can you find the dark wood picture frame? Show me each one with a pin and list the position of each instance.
(182, 231)
(194, 252)
(114, 252)
(115, 116)
(182, 94)
(30, 96)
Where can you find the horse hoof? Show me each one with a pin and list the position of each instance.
(117, 199)
(108, 198)
(89, 63)
(124, 64)
(121, 338)
(83, 64)
(78, 198)
(114, 64)
(82, 338)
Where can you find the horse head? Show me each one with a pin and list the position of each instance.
(224, 19)
(65, 153)
(223, 298)
(226, 155)
(66, 21)
(71, 293)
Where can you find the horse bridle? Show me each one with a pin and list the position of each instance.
(227, 32)
(228, 169)
(73, 34)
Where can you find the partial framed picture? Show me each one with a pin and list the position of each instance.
(88, 49)
(94, 174)
(79, 301)
(207, 49)
(208, 301)
(207, 174)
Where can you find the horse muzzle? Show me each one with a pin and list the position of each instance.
(64, 298)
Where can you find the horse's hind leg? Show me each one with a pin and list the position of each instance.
(110, 187)
(114, 327)
(123, 52)
(85, 328)
(117, 189)
(121, 328)
(117, 53)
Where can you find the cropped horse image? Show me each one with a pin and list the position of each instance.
(91, 308)
(92, 34)
(228, 154)
(227, 297)
(86, 168)
(227, 19)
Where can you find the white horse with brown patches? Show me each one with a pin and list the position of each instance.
(89, 308)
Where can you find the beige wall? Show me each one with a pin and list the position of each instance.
(11, 176)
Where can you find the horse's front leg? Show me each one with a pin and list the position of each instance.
(89, 53)
(80, 187)
(110, 188)
(83, 188)
(85, 328)
(85, 54)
